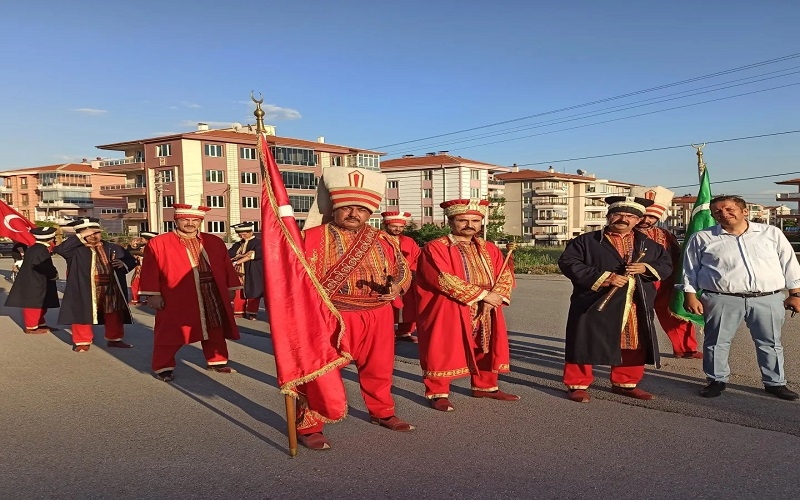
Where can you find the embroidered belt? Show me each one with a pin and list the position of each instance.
(205, 277)
(745, 295)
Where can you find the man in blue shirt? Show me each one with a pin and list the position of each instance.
(741, 267)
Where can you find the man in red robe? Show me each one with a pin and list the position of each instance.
(462, 285)
(362, 271)
(189, 280)
(681, 333)
(394, 223)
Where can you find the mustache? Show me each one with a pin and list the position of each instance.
(621, 221)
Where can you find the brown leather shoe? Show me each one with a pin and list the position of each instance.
(36, 331)
(316, 441)
(220, 368)
(498, 395)
(393, 423)
(442, 404)
(165, 376)
(578, 395)
(118, 343)
(81, 348)
(632, 393)
(689, 355)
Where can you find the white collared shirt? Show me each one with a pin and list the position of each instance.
(759, 260)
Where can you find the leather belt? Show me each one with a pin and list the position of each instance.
(746, 295)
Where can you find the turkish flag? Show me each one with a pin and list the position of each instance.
(304, 324)
(15, 226)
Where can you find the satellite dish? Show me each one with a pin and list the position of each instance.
(236, 126)
(581, 172)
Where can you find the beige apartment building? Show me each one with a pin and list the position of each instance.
(57, 192)
(219, 169)
(549, 208)
(418, 184)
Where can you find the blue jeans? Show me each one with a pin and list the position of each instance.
(764, 317)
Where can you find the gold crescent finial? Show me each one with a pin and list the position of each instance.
(257, 101)
(259, 113)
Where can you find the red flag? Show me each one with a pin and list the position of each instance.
(305, 325)
(15, 226)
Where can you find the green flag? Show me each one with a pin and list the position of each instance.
(701, 219)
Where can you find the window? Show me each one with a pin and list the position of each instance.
(526, 200)
(293, 156)
(112, 210)
(141, 205)
(474, 174)
(23, 182)
(215, 226)
(393, 202)
(163, 150)
(215, 201)
(165, 176)
(248, 154)
(249, 178)
(167, 201)
(212, 150)
(427, 211)
(427, 175)
(368, 160)
(336, 161)
(249, 202)
(475, 193)
(427, 193)
(300, 223)
(301, 204)
(527, 185)
(393, 184)
(24, 200)
(299, 180)
(215, 176)
(169, 225)
(138, 157)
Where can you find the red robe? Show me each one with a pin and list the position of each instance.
(411, 252)
(167, 271)
(447, 305)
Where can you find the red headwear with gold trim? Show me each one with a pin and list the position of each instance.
(183, 211)
(400, 218)
(465, 207)
(661, 197)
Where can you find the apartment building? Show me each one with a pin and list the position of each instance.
(58, 192)
(418, 184)
(220, 169)
(549, 208)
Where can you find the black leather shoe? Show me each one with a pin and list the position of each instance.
(713, 389)
(782, 392)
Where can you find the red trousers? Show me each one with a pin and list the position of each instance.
(33, 318)
(681, 333)
(404, 329)
(485, 380)
(135, 289)
(114, 330)
(627, 374)
(215, 350)
(370, 338)
(245, 306)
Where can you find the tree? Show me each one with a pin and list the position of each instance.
(426, 233)
(496, 219)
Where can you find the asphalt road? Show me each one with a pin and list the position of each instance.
(99, 425)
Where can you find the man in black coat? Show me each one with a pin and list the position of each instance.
(611, 309)
(96, 292)
(34, 289)
(245, 255)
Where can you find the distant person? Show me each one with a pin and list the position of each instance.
(622, 264)
(188, 279)
(394, 223)
(96, 290)
(463, 286)
(136, 248)
(681, 333)
(246, 257)
(35, 290)
(736, 271)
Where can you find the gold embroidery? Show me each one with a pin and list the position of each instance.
(486, 389)
(458, 372)
(459, 289)
(653, 271)
(603, 277)
(629, 339)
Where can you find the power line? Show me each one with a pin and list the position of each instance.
(599, 101)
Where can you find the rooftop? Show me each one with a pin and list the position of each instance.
(528, 175)
(439, 160)
(61, 167)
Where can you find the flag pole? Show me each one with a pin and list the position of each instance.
(701, 164)
(289, 401)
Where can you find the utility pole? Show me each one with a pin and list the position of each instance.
(159, 189)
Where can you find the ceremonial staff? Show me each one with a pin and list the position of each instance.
(611, 292)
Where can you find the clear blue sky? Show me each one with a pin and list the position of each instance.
(373, 73)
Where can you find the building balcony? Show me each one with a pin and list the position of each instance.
(59, 186)
(122, 165)
(787, 197)
(6, 189)
(595, 208)
(127, 189)
(66, 204)
(130, 214)
(551, 236)
(550, 221)
(599, 194)
(550, 191)
(547, 205)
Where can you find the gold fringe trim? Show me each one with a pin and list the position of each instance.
(289, 387)
(434, 396)
(603, 277)
(653, 271)
(490, 389)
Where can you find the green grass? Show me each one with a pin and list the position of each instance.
(537, 260)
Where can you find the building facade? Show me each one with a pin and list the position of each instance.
(219, 169)
(549, 208)
(418, 184)
(57, 193)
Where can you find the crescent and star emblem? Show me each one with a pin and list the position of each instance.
(9, 218)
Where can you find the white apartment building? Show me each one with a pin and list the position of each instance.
(418, 184)
(549, 208)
